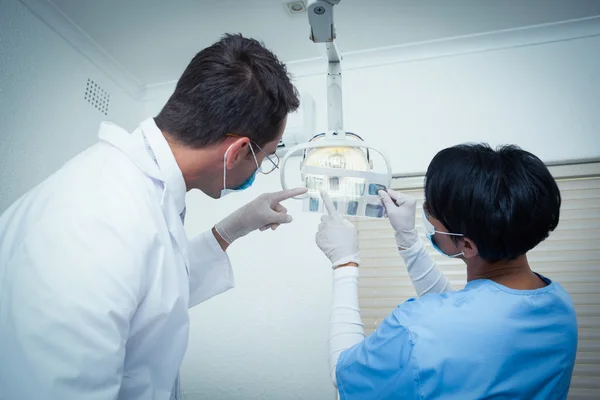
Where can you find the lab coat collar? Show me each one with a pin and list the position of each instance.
(130, 144)
(169, 169)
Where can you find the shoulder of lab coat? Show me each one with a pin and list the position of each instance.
(210, 269)
(81, 243)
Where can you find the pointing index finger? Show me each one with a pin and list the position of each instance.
(288, 194)
(328, 204)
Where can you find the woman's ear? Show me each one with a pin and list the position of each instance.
(469, 248)
(238, 150)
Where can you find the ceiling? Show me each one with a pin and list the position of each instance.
(155, 39)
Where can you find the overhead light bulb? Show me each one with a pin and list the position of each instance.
(344, 158)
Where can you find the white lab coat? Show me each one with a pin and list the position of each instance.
(96, 276)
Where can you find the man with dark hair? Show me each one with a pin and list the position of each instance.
(96, 271)
(510, 333)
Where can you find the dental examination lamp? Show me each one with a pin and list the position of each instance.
(337, 161)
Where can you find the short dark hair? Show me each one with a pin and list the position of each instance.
(234, 86)
(504, 200)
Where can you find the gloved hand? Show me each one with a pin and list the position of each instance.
(401, 210)
(337, 237)
(262, 213)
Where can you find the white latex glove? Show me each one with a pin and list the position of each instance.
(337, 237)
(262, 213)
(401, 210)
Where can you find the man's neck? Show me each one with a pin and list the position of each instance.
(196, 165)
(514, 274)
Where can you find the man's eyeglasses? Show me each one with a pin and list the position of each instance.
(271, 161)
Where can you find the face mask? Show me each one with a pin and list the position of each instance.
(430, 231)
(246, 184)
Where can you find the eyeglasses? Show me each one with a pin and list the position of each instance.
(271, 161)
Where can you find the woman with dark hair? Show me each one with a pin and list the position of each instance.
(509, 334)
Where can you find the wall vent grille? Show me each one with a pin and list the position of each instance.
(97, 97)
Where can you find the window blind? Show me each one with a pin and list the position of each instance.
(570, 256)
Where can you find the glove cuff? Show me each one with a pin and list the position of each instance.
(221, 229)
(407, 239)
(354, 258)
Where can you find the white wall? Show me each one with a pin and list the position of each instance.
(545, 98)
(44, 118)
(266, 339)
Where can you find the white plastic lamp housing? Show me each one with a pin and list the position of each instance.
(320, 17)
(358, 169)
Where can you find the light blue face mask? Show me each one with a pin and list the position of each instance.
(430, 231)
(246, 184)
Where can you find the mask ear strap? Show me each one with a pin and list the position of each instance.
(254, 155)
(225, 167)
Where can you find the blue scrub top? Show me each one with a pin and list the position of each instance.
(485, 341)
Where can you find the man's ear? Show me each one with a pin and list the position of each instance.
(469, 248)
(238, 150)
